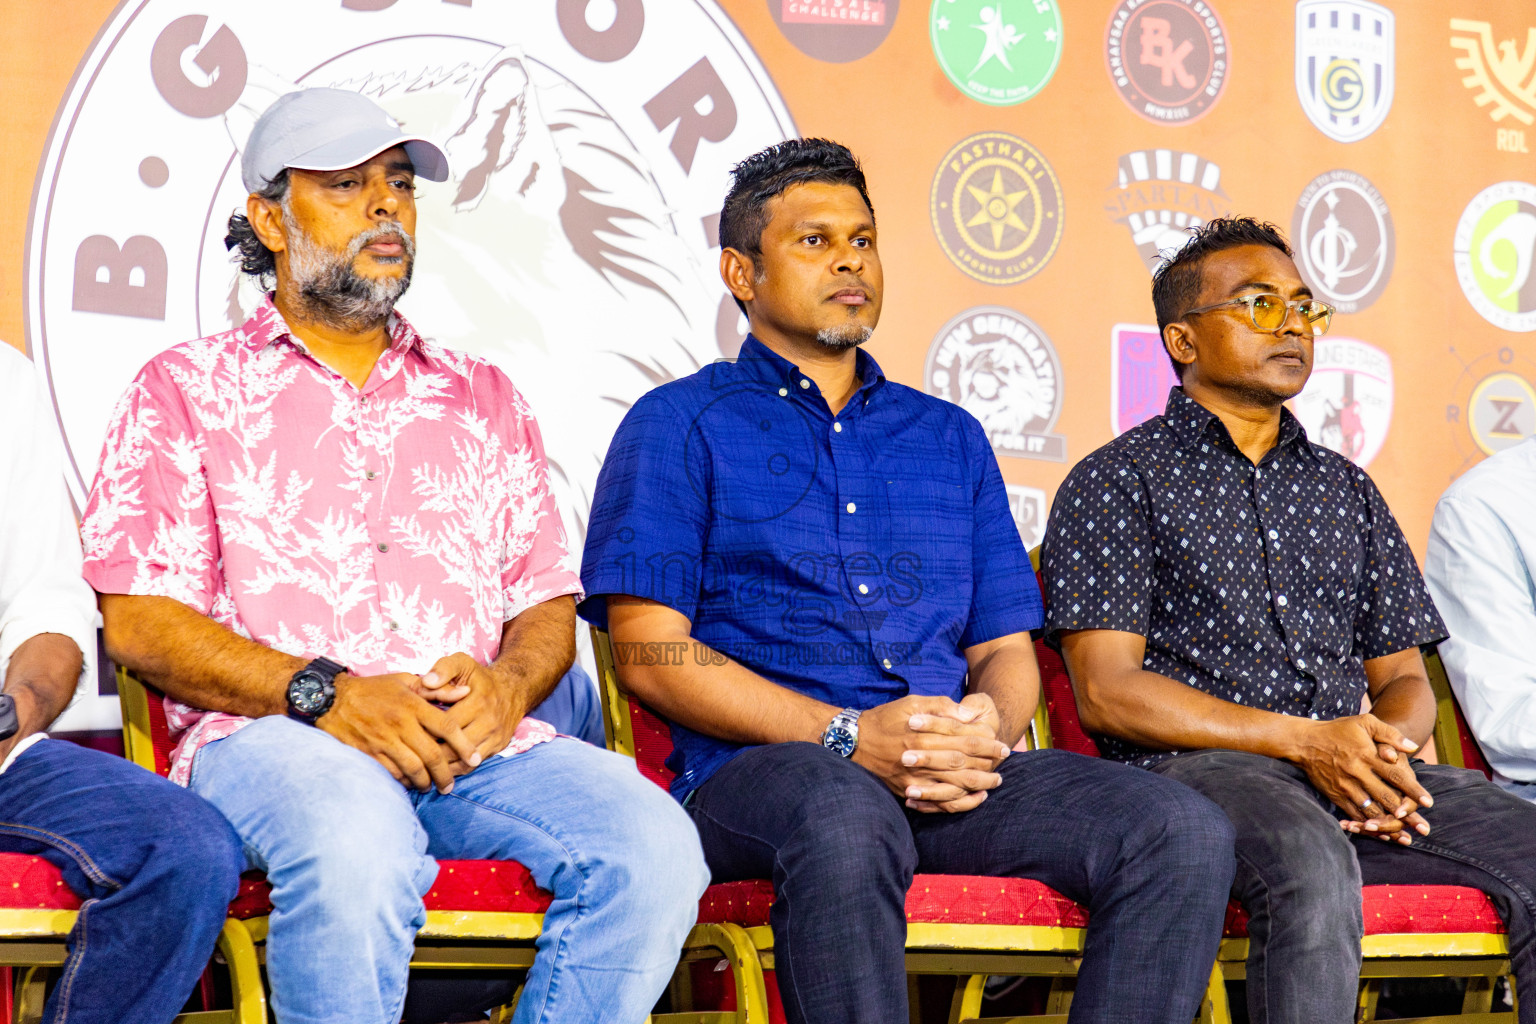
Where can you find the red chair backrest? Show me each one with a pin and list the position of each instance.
(1060, 704)
(1471, 753)
(159, 730)
(653, 743)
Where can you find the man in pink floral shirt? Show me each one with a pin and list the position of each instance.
(333, 545)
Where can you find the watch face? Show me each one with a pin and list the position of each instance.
(841, 740)
(307, 694)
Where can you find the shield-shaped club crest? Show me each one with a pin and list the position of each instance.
(1344, 65)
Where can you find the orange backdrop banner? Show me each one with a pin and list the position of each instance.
(1027, 160)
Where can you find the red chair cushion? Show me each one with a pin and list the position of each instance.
(500, 886)
(31, 883)
(933, 899)
(1410, 910)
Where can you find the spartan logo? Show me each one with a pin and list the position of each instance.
(572, 246)
(1503, 72)
(1495, 254)
(1029, 506)
(1000, 367)
(1167, 58)
(996, 208)
(1343, 235)
(1344, 65)
(1160, 194)
(1347, 403)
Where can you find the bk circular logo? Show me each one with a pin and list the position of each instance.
(1167, 58)
(996, 207)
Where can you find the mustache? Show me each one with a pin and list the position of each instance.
(389, 228)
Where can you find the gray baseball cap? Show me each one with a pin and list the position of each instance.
(329, 130)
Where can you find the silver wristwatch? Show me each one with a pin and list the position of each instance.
(842, 735)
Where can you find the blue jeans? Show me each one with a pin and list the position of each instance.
(350, 853)
(155, 866)
(1152, 863)
(1299, 874)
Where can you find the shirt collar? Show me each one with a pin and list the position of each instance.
(764, 364)
(1189, 421)
(267, 326)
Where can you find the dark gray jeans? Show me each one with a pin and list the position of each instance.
(1299, 874)
(1149, 859)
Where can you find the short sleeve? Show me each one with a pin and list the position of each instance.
(537, 562)
(148, 527)
(646, 534)
(1006, 597)
(1098, 554)
(1394, 610)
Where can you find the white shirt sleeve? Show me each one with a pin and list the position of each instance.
(41, 589)
(1477, 570)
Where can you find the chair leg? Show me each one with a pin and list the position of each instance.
(1060, 999)
(244, 973)
(31, 993)
(1479, 996)
(1214, 1008)
(746, 968)
(1370, 995)
(966, 1002)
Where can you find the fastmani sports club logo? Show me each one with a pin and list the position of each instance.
(573, 245)
(1503, 73)
(1495, 253)
(1167, 58)
(1160, 194)
(1347, 403)
(1029, 506)
(999, 52)
(1140, 375)
(1345, 58)
(1342, 232)
(999, 366)
(996, 208)
(1495, 404)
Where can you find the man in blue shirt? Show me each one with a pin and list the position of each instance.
(812, 571)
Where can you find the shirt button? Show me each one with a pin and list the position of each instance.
(383, 546)
(783, 392)
(852, 508)
(1274, 535)
(804, 383)
(1281, 601)
(886, 663)
(371, 474)
(837, 427)
(863, 588)
(393, 625)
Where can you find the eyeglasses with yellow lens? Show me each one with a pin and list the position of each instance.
(1268, 312)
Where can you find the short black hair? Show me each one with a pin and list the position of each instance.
(254, 258)
(1178, 280)
(764, 176)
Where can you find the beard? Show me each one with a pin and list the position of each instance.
(844, 337)
(327, 287)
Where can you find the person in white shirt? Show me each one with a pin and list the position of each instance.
(155, 864)
(1482, 549)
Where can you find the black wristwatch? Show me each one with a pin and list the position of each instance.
(312, 690)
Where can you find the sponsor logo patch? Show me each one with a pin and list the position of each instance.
(1167, 58)
(836, 31)
(1345, 56)
(1160, 194)
(1140, 375)
(996, 208)
(999, 52)
(999, 366)
(1029, 506)
(1495, 254)
(1502, 72)
(1494, 406)
(1342, 233)
(1347, 403)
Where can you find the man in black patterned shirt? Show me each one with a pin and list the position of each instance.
(1226, 594)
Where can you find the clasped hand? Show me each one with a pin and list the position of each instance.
(934, 753)
(428, 729)
(1359, 763)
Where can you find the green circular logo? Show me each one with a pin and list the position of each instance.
(1495, 254)
(997, 51)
